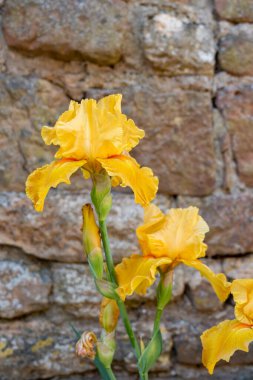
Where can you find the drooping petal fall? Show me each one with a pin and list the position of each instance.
(218, 281)
(178, 235)
(141, 180)
(41, 180)
(137, 274)
(242, 291)
(221, 341)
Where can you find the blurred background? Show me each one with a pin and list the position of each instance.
(185, 69)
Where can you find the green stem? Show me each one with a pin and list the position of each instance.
(110, 374)
(144, 376)
(157, 321)
(106, 373)
(121, 305)
(107, 249)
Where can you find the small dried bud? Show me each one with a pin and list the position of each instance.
(85, 347)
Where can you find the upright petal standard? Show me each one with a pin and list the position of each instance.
(96, 137)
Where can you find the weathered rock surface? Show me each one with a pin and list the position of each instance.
(38, 349)
(26, 105)
(175, 120)
(178, 46)
(75, 290)
(69, 30)
(25, 284)
(235, 10)
(236, 50)
(55, 233)
(236, 105)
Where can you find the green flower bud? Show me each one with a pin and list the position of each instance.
(101, 194)
(109, 314)
(92, 241)
(106, 348)
(107, 289)
(164, 289)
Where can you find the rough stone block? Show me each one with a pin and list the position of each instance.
(235, 10)
(179, 135)
(236, 105)
(74, 289)
(55, 234)
(67, 29)
(26, 105)
(236, 50)
(176, 45)
(25, 284)
(38, 349)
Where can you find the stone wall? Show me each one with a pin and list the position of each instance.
(185, 68)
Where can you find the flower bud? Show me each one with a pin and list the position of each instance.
(106, 348)
(164, 289)
(109, 314)
(85, 347)
(101, 194)
(92, 242)
(107, 289)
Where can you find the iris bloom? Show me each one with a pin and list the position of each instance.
(221, 341)
(94, 136)
(167, 241)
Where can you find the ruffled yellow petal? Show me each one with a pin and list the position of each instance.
(221, 341)
(91, 130)
(49, 134)
(39, 182)
(131, 133)
(218, 281)
(178, 235)
(111, 103)
(137, 274)
(242, 291)
(141, 180)
(154, 221)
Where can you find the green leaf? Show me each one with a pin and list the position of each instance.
(151, 353)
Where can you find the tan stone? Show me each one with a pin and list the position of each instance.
(238, 267)
(26, 105)
(179, 142)
(55, 234)
(74, 289)
(177, 46)
(68, 30)
(236, 50)
(37, 349)
(25, 284)
(235, 10)
(236, 105)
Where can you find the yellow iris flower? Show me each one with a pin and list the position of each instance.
(221, 341)
(93, 136)
(167, 241)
